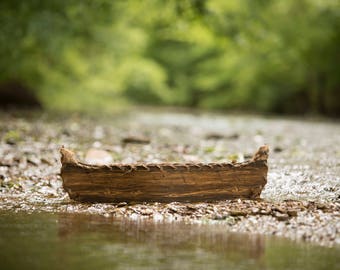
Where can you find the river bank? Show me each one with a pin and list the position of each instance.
(301, 200)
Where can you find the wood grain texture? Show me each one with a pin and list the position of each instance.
(165, 182)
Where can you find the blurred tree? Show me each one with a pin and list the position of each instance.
(37, 32)
(270, 56)
(36, 35)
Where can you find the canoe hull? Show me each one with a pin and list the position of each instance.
(163, 182)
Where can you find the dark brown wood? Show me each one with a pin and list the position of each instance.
(164, 182)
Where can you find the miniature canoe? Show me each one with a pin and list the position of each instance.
(164, 182)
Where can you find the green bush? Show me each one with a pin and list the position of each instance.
(267, 56)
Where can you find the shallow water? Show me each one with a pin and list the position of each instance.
(68, 241)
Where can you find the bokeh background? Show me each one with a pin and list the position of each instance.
(101, 55)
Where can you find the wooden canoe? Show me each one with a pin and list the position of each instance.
(164, 182)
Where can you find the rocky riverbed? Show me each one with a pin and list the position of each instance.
(300, 201)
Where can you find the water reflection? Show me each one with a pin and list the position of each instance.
(165, 240)
(65, 241)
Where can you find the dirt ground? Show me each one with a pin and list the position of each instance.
(300, 201)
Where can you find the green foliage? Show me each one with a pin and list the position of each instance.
(270, 56)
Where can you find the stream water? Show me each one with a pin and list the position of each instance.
(68, 241)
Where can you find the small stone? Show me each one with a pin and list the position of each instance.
(265, 211)
(98, 157)
(235, 213)
(135, 140)
(234, 136)
(214, 136)
(121, 204)
(34, 161)
(146, 212)
(292, 213)
(11, 141)
(219, 217)
(277, 149)
(173, 209)
(191, 208)
(281, 217)
(66, 132)
(279, 209)
(321, 206)
(305, 204)
(46, 161)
